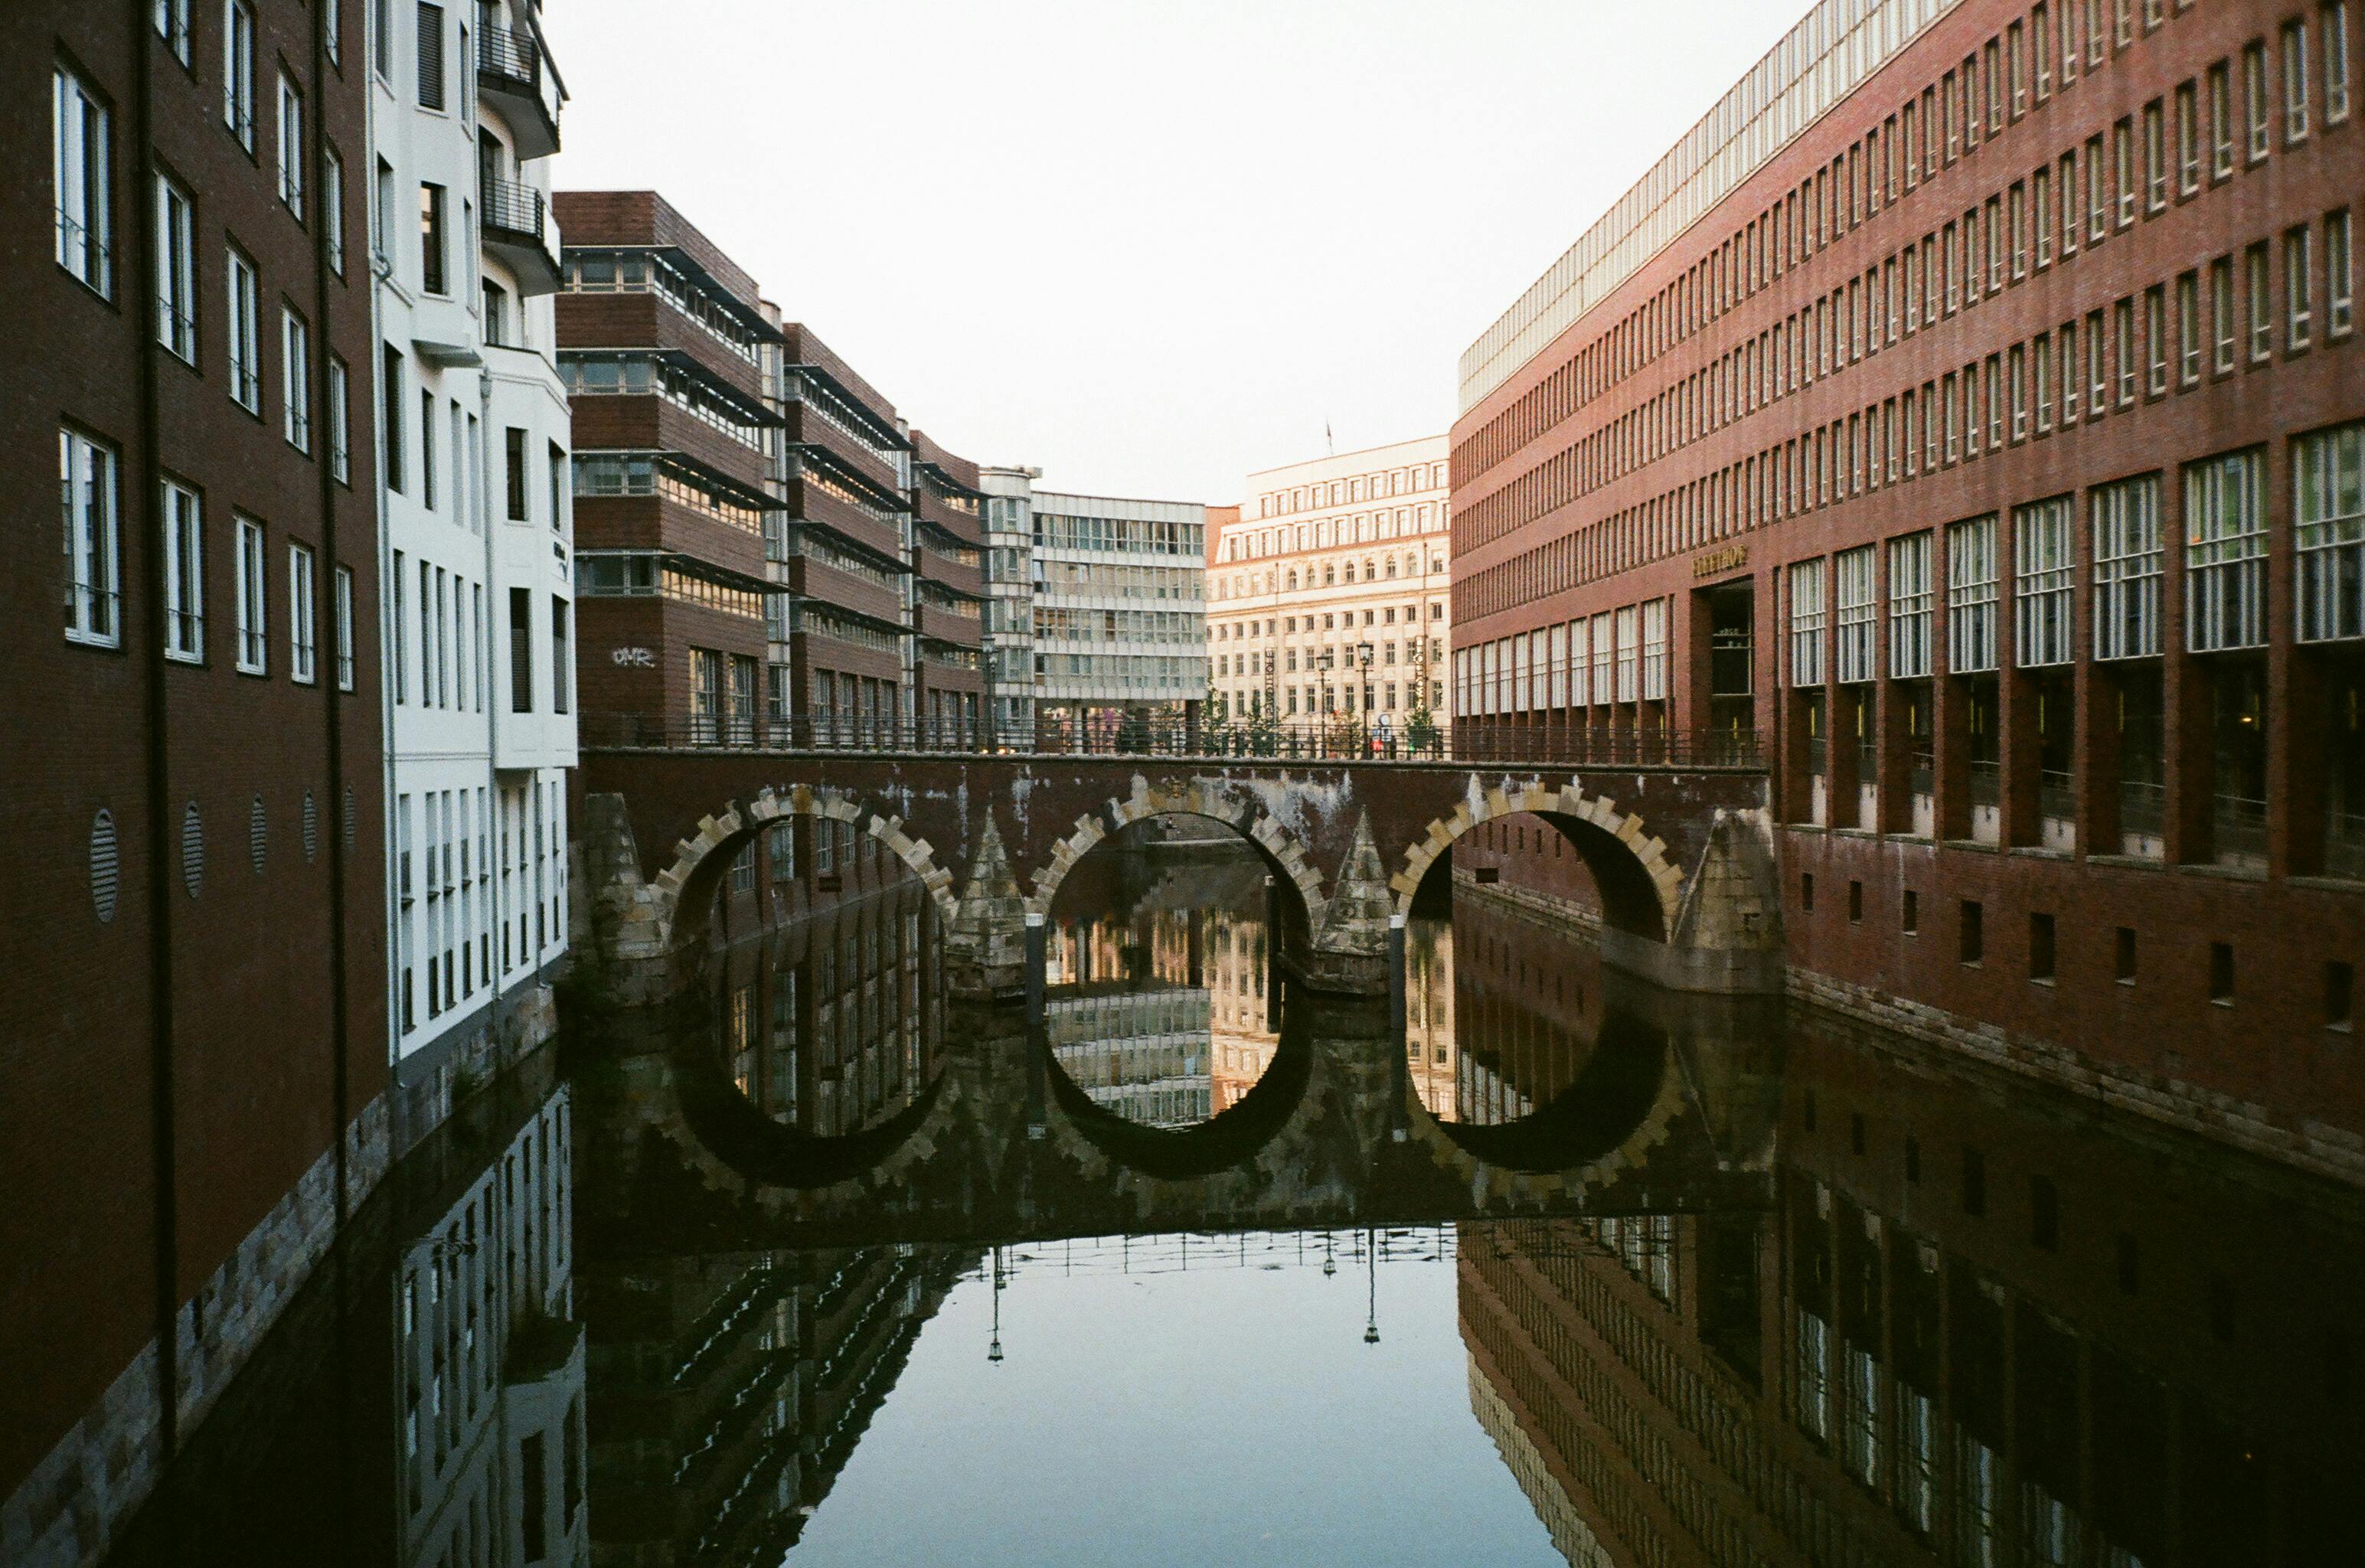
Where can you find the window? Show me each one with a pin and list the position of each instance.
(184, 574)
(2294, 82)
(344, 614)
(2254, 98)
(2124, 321)
(1807, 892)
(176, 270)
(291, 146)
(2339, 280)
(340, 421)
(1971, 936)
(431, 55)
(2329, 517)
(302, 640)
(2188, 141)
(1909, 913)
(2339, 993)
(333, 207)
(173, 26)
(2335, 61)
(2156, 341)
(1655, 650)
(243, 330)
(296, 378)
(558, 474)
(2187, 330)
(1858, 608)
(2221, 972)
(2129, 566)
(2041, 586)
(2262, 310)
(431, 235)
(1806, 624)
(2122, 160)
(2221, 123)
(83, 165)
(2225, 554)
(237, 72)
(1972, 595)
(1909, 606)
(2040, 950)
(562, 664)
(426, 449)
(521, 651)
(2124, 956)
(2154, 134)
(252, 613)
(2223, 325)
(87, 479)
(513, 450)
(390, 397)
(2299, 319)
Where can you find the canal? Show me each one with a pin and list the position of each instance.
(1199, 1268)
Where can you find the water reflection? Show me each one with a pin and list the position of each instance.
(1573, 1272)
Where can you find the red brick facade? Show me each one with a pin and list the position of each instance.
(192, 1022)
(2087, 813)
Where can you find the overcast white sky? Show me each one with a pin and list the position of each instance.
(1149, 245)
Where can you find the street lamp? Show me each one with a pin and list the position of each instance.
(1363, 679)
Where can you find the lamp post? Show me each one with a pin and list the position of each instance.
(993, 1348)
(1363, 679)
(1371, 1295)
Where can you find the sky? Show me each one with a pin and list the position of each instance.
(1149, 246)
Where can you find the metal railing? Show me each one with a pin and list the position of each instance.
(1459, 741)
(2143, 808)
(511, 208)
(2057, 795)
(513, 60)
(2237, 830)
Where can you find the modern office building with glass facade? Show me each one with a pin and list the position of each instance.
(1970, 405)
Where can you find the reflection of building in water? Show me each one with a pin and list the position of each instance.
(490, 1365)
(733, 1389)
(1501, 1012)
(1562, 1519)
(1157, 945)
(1970, 1334)
(1429, 1051)
(1143, 1054)
(1239, 970)
(830, 1025)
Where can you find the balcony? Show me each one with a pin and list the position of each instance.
(516, 230)
(513, 77)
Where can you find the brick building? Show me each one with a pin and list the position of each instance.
(1969, 405)
(196, 1055)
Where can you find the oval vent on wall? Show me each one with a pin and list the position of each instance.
(192, 849)
(312, 828)
(256, 834)
(105, 866)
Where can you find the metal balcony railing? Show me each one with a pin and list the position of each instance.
(512, 209)
(509, 63)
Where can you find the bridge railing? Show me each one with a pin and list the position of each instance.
(1452, 741)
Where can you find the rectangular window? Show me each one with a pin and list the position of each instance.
(173, 26)
(2130, 562)
(2262, 309)
(333, 207)
(431, 273)
(426, 449)
(1972, 591)
(513, 450)
(1806, 618)
(2221, 123)
(302, 638)
(2254, 98)
(2188, 141)
(2339, 279)
(1857, 608)
(2154, 134)
(253, 614)
(557, 474)
(243, 332)
(2124, 348)
(291, 146)
(340, 421)
(2122, 160)
(2223, 326)
(1971, 948)
(83, 168)
(431, 55)
(2040, 967)
(521, 651)
(562, 663)
(296, 378)
(345, 614)
(1628, 655)
(2187, 330)
(2335, 61)
(185, 575)
(2294, 82)
(237, 72)
(2299, 315)
(2156, 341)
(2224, 554)
(1911, 606)
(88, 475)
(2329, 517)
(176, 270)
(2042, 564)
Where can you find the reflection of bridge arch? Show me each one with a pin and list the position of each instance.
(683, 891)
(1641, 889)
(1280, 850)
(1224, 1142)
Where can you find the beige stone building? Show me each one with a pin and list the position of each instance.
(1328, 597)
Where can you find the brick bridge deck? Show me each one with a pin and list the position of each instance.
(1680, 853)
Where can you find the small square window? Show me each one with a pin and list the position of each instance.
(2221, 973)
(1974, 939)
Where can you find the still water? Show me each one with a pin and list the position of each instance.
(824, 1270)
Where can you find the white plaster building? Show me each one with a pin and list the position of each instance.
(1329, 599)
(473, 435)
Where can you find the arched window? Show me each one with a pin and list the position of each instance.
(1293, 579)
(1392, 566)
(1329, 575)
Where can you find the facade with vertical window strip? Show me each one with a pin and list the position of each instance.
(1987, 439)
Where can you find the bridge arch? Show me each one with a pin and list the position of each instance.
(683, 891)
(1241, 812)
(1640, 888)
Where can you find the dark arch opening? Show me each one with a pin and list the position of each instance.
(1099, 865)
(695, 904)
(1596, 1113)
(1628, 895)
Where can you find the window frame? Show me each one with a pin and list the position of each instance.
(180, 514)
(83, 227)
(251, 577)
(90, 479)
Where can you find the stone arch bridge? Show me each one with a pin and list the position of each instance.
(1680, 854)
